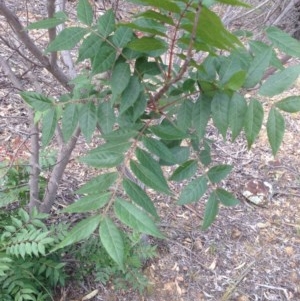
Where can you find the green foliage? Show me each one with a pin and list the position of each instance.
(14, 179)
(95, 261)
(13, 183)
(153, 112)
(27, 271)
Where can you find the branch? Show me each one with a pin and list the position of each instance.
(57, 173)
(10, 74)
(52, 31)
(65, 54)
(23, 36)
(34, 140)
(272, 70)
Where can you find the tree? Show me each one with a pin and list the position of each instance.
(163, 76)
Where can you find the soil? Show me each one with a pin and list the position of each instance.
(251, 252)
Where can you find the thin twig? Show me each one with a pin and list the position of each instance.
(187, 60)
(52, 31)
(226, 296)
(23, 36)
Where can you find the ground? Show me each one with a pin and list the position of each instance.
(251, 252)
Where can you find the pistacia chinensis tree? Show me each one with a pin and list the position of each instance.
(152, 87)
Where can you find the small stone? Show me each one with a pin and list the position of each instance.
(198, 245)
(180, 278)
(289, 251)
(242, 298)
(263, 225)
(257, 192)
(236, 233)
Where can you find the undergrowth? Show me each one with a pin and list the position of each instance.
(30, 270)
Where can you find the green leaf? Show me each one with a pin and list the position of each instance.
(154, 15)
(220, 108)
(112, 241)
(258, 67)
(211, 210)
(258, 47)
(103, 159)
(150, 163)
(139, 106)
(135, 218)
(119, 147)
(253, 121)
(147, 44)
(67, 39)
(167, 5)
(37, 101)
(201, 115)
(142, 67)
(193, 191)
(205, 156)
(106, 117)
(184, 171)
(130, 94)
(148, 26)
(106, 23)
(280, 81)
(231, 68)
(215, 34)
(159, 149)
(89, 47)
(236, 81)
(289, 104)
(120, 135)
(49, 124)
(275, 129)
(148, 177)
(59, 18)
(236, 114)
(85, 12)
(181, 153)
(81, 231)
(225, 197)
(88, 120)
(219, 172)
(283, 41)
(139, 196)
(16, 222)
(88, 203)
(98, 184)
(69, 121)
(122, 36)
(168, 131)
(185, 111)
(120, 78)
(104, 59)
(24, 215)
